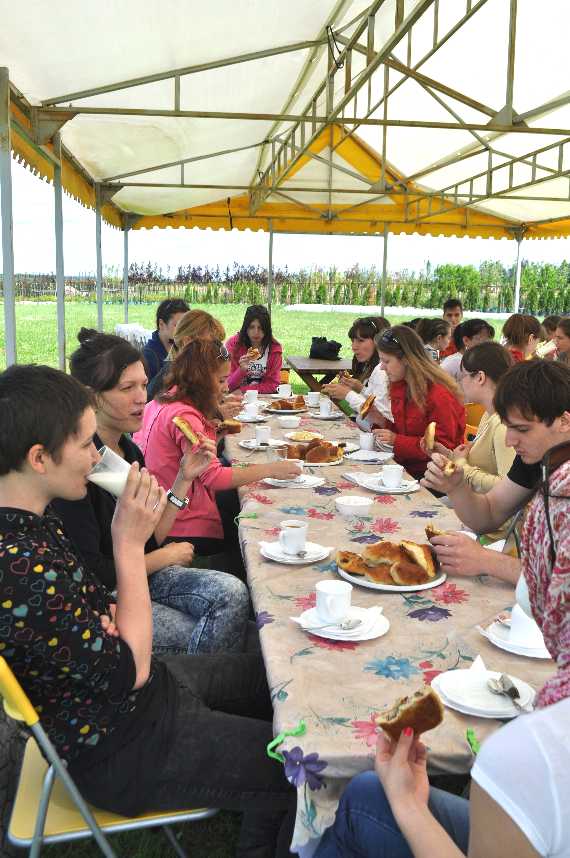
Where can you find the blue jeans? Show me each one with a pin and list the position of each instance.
(365, 826)
(197, 611)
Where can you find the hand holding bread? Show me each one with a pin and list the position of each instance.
(442, 474)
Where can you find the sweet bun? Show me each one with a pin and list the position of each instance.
(322, 453)
(449, 468)
(350, 562)
(294, 452)
(187, 430)
(232, 427)
(431, 531)
(422, 711)
(429, 437)
(253, 353)
(367, 405)
(421, 555)
(380, 574)
(408, 574)
(381, 553)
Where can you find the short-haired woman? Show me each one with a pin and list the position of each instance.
(420, 393)
(260, 372)
(522, 335)
(436, 336)
(194, 610)
(562, 340)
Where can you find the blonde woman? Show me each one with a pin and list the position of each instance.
(420, 393)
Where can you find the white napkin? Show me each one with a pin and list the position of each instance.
(524, 631)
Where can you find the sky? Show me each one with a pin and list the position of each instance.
(34, 245)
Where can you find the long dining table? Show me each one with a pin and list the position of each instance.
(328, 693)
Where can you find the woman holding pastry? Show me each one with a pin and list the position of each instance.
(256, 357)
(420, 393)
(195, 385)
(194, 610)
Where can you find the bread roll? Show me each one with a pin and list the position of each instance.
(429, 437)
(421, 555)
(408, 574)
(431, 531)
(382, 552)
(422, 711)
(350, 562)
(232, 427)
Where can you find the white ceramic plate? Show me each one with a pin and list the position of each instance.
(498, 634)
(373, 483)
(273, 551)
(335, 415)
(360, 581)
(378, 627)
(371, 457)
(315, 436)
(467, 692)
(306, 481)
(251, 444)
(245, 418)
(286, 412)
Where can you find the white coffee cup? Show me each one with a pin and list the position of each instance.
(392, 476)
(250, 409)
(333, 600)
(293, 536)
(366, 440)
(325, 406)
(313, 398)
(262, 434)
(250, 396)
(284, 390)
(110, 472)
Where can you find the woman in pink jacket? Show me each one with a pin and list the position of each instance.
(194, 388)
(261, 373)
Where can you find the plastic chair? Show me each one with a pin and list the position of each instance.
(473, 413)
(48, 807)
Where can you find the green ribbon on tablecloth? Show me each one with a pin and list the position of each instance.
(299, 730)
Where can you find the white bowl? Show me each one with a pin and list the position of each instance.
(289, 421)
(352, 505)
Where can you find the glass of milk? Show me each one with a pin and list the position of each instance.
(110, 472)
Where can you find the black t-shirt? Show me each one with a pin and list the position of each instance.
(87, 522)
(526, 476)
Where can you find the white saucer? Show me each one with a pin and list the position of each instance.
(273, 551)
(369, 457)
(375, 484)
(335, 415)
(361, 581)
(251, 444)
(245, 418)
(286, 412)
(305, 481)
(467, 692)
(370, 629)
(498, 634)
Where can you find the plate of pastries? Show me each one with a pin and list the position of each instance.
(399, 567)
(316, 453)
(294, 405)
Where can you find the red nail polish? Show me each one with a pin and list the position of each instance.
(408, 731)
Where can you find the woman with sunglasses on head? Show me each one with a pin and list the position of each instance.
(195, 386)
(194, 610)
(256, 357)
(521, 333)
(420, 393)
(366, 375)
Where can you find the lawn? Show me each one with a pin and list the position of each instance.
(37, 333)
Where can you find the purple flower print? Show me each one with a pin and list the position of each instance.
(263, 618)
(365, 538)
(423, 513)
(326, 490)
(433, 614)
(300, 770)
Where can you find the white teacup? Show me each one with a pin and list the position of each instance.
(262, 434)
(366, 440)
(313, 398)
(250, 396)
(333, 600)
(392, 476)
(293, 536)
(284, 390)
(250, 409)
(110, 472)
(325, 406)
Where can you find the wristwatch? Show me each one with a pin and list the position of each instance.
(180, 503)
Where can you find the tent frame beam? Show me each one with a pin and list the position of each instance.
(7, 219)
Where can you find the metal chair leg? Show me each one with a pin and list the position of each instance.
(169, 834)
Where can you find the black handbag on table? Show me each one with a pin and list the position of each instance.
(323, 349)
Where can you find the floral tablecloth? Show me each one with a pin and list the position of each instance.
(337, 688)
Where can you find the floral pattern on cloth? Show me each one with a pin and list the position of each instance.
(549, 584)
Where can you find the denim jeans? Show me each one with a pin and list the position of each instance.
(216, 755)
(198, 611)
(365, 826)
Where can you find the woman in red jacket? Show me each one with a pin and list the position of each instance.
(259, 373)
(420, 392)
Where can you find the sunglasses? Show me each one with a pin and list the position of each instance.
(551, 461)
(223, 353)
(389, 338)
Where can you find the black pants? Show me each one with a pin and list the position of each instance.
(217, 755)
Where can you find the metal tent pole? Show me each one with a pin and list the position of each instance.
(6, 216)
(126, 272)
(99, 282)
(384, 263)
(59, 263)
(270, 269)
(518, 276)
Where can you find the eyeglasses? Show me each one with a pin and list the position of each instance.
(551, 461)
(388, 338)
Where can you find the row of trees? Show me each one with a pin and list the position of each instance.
(545, 288)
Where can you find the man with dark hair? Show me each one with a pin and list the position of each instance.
(137, 732)
(466, 335)
(533, 401)
(168, 314)
(452, 313)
